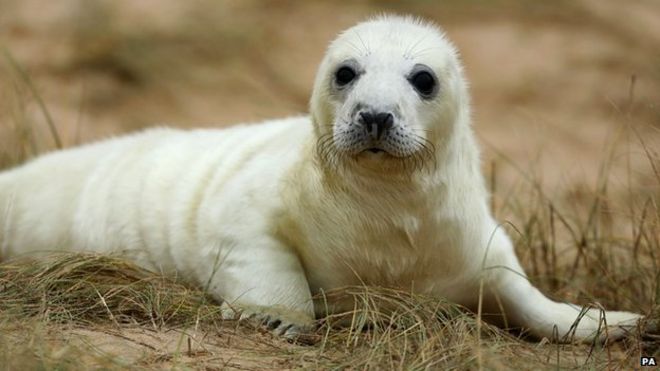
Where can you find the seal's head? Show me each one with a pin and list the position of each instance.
(388, 94)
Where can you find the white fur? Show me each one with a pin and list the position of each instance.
(268, 219)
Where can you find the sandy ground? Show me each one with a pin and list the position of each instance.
(556, 87)
(226, 348)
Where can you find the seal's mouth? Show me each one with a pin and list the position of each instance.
(374, 151)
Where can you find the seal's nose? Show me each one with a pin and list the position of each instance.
(376, 123)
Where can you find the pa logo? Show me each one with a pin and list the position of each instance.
(648, 361)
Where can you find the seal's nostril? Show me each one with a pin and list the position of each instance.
(384, 119)
(366, 118)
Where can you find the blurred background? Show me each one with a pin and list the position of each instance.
(561, 89)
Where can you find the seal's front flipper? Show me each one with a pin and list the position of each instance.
(262, 282)
(525, 306)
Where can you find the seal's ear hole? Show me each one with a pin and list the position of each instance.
(344, 75)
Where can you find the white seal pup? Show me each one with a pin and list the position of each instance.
(380, 185)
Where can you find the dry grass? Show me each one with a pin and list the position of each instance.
(40, 301)
(81, 289)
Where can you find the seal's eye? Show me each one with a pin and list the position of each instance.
(423, 82)
(344, 75)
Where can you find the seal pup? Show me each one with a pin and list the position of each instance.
(379, 185)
